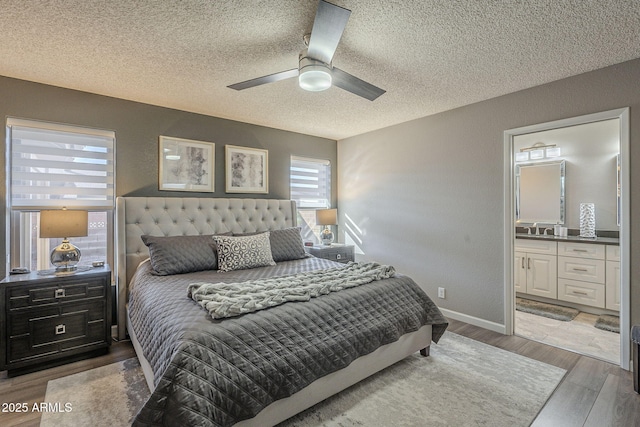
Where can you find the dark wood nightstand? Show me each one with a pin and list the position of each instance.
(334, 252)
(49, 319)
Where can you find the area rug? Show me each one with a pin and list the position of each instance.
(607, 322)
(107, 396)
(552, 311)
(462, 383)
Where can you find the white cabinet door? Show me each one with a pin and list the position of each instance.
(612, 296)
(520, 272)
(542, 275)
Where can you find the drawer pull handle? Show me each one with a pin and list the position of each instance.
(59, 293)
(579, 250)
(579, 293)
(580, 269)
(60, 329)
(529, 263)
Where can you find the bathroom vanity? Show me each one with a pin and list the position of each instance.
(572, 269)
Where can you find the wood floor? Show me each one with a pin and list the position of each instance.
(592, 393)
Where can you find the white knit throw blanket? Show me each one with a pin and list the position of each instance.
(233, 299)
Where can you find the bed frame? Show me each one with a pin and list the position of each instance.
(171, 216)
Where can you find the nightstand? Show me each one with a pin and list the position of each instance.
(49, 319)
(334, 252)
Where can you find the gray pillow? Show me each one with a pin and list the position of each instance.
(286, 244)
(242, 252)
(181, 254)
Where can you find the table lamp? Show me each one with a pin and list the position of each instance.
(327, 217)
(63, 224)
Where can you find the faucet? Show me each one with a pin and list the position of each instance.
(535, 224)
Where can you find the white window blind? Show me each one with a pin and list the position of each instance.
(56, 165)
(310, 182)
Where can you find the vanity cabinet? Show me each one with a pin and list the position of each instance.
(536, 268)
(582, 273)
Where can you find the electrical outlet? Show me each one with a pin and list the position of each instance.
(441, 293)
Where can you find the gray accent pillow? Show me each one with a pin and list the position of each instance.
(181, 254)
(243, 252)
(287, 244)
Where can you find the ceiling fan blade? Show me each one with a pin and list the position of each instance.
(355, 85)
(327, 30)
(265, 79)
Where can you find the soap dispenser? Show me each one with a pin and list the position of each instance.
(556, 229)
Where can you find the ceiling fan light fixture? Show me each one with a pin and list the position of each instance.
(314, 75)
(314, 80)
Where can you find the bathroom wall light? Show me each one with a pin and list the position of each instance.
(552, 152)
(538, 151)
(536, 154)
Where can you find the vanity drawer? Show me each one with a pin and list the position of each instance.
(581, 250)
(588, 270)
(548, 247)
(585, 293)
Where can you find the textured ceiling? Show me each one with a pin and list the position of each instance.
(430, 56)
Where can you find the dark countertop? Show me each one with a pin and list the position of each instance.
(572, 239)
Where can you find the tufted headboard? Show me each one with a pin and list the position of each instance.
(177, 216)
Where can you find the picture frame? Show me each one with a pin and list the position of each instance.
(186, 165)
(247, 170)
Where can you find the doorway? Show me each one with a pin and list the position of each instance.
(614, 211)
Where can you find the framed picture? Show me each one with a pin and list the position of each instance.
(186, 165)
(247, 170)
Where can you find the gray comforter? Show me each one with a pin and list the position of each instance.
(218, 372)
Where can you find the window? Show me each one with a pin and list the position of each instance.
(310, 183)
(52, 166)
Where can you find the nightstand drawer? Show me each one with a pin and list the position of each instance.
(54, 329)
(25, 296)
(339, 256)
(338, 253)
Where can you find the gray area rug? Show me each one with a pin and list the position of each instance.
(552, 311)
(607, 322)
(462, 383)
(107, 396)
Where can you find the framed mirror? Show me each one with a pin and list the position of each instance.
(540, 189)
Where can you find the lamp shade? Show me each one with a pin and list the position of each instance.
(327, 217)
(63, 223)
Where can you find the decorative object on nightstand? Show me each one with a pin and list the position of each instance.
(53, 319)
(64, 223)
(327, 217)
(335, 252)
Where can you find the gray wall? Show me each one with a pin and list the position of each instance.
(137, 128)
(427, 196)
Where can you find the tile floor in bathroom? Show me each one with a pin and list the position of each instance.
(578, 335)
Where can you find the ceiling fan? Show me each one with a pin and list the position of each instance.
(315, 71)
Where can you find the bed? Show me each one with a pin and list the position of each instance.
(208, 365)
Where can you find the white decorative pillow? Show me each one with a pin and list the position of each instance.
(242, 252)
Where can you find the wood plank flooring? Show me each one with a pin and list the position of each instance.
(593, 393)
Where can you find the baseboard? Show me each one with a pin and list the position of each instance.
(486, 324)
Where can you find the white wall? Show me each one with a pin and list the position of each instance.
(589, 152)
(427, 196)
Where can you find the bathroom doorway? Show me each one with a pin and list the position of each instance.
(557, 288)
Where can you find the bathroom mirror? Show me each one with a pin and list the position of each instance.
(540, 192)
